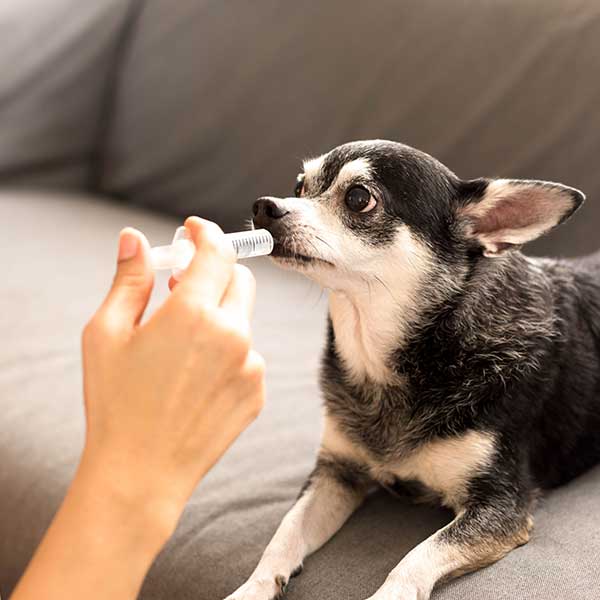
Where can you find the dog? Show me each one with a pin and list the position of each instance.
(455, 367)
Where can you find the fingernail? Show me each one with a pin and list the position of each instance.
(128, 245)
(182, 233)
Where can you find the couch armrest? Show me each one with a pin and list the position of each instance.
(57, 62)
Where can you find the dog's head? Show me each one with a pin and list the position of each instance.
(382, 210)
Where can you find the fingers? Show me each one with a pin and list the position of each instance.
(128, 297)
(208, 275)
(240, 294)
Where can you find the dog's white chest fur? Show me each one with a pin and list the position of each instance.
(370, 315)
(444, 466)
(363, 343)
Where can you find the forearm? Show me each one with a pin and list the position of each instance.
(100, 544)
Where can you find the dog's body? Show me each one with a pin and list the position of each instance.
(456, 368)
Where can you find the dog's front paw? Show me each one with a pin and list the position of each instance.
(260, 589)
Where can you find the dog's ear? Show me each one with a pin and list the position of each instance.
(502, 214)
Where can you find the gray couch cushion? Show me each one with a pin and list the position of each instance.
(57, 60)
(47, 296)
(219, 101)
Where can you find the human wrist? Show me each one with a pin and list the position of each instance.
(109, 531)
(148, 512)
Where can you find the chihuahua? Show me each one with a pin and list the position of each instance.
(455, 368)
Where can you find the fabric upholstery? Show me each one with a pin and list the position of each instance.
(219, 101)
(47, 296)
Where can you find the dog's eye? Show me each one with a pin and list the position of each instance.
(359, 199)
(299, 186)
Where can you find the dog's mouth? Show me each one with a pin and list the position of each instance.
(284, 253)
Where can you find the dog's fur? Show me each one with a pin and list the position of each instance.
(455, 366)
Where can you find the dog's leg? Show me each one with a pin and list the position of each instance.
(332, 493)
(477, 537)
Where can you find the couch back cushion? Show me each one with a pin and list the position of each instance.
(218, 102)
(56, 63)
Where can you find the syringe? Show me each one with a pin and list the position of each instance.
(179, 254)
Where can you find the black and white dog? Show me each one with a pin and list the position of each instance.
(455, 365)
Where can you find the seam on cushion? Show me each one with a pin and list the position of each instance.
(41, 166)
(122, 45)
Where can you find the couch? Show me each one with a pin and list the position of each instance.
(138, 112)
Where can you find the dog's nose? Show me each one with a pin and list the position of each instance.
(266, 210)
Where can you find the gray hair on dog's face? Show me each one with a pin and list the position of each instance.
(345, 247)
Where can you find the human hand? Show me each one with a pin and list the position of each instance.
(165, 399)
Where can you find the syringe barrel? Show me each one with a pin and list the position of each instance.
(248, 244)
(177, 256)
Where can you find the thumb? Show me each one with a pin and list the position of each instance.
(132, 286)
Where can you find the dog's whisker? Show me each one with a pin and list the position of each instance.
(318, 237)
(381, 282)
